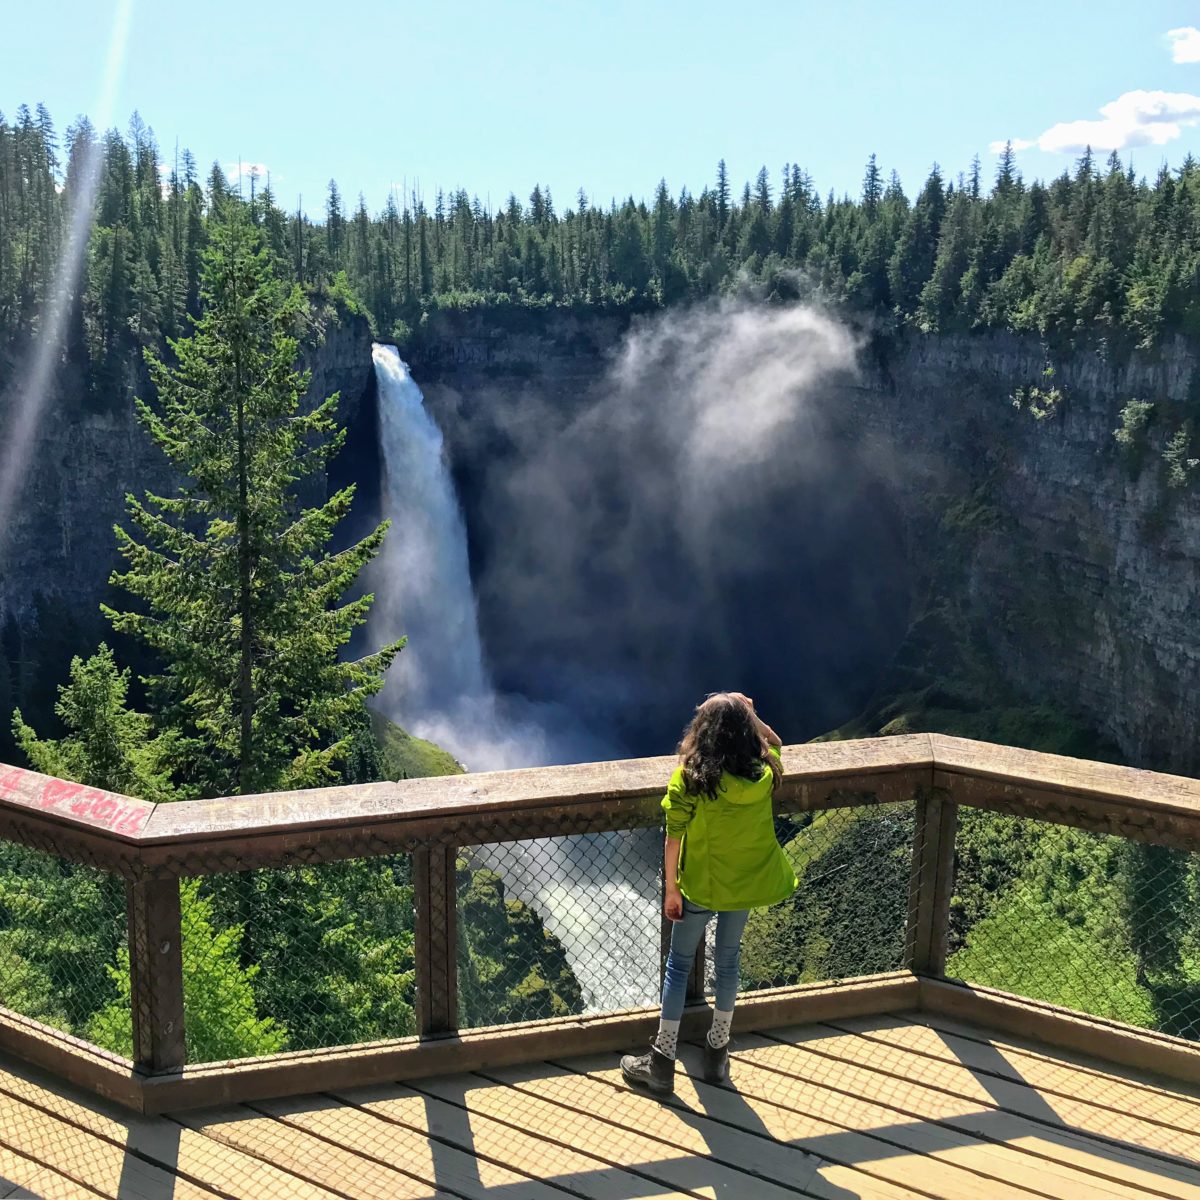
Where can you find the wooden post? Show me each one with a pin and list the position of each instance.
(156, 974)
(436, 939)
(931, 882)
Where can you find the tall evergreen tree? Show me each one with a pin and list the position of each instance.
(872, 192)
(722, 195)
(239, 594)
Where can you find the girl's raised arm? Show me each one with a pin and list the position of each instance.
(764, 730)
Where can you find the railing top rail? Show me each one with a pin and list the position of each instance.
(542, 801)
(972, 770)
(90, 809)
(501, 792)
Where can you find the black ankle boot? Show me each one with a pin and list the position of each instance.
(654, 1070)
(716, 1063)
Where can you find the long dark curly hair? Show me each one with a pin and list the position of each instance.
(723, 735)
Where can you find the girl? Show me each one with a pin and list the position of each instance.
(721, 855)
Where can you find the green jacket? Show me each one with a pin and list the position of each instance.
(730, 858)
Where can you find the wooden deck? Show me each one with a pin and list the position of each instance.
(912, 1105)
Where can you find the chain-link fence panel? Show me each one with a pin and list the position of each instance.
(560, 925)
(64, 956)
(297, 958)
(849, 912)
(1096, 923)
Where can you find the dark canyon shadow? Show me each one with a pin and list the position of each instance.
(704, 510)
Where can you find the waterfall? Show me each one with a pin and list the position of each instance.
(439, 687)
(422, 575)
(597, 894)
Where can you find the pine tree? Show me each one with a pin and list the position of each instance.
(107, 744)
(335, 223)
(238, 593)
(722, 195)
(1006, 170)
(872, 192)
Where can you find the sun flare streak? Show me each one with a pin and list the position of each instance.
(32, 385)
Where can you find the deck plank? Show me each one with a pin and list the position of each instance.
(314, 1158)
(457, 1108)
(684, 1151)
(927, 1095)
(871, 1146)
(1061, 1073)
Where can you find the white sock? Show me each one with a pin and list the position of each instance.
(718, 1035)
(668, 1037)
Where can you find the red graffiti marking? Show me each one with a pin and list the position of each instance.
(10, 779)
(55, 791)
(87, 803)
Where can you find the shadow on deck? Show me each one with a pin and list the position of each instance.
(898, 1105)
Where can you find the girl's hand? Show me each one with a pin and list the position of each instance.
(673, 905)
(744, 699)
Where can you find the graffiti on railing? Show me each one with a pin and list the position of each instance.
(98, 807)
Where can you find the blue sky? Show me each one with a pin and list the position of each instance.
(610, 96)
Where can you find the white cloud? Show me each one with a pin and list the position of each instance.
(1185, 44)
(1133, 119)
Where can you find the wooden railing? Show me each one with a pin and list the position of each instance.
(153, 847)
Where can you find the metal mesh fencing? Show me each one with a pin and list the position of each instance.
(1096, 923)
(64, 957)
(849, 912)
(559, 925)
(297, 958)
(573, 924)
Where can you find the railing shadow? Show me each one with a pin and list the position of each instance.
(1001, 1109)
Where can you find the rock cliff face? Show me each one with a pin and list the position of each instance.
(1079, 566)
(59, 549)
(1076, 566)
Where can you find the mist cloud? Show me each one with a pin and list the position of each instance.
(684, 524)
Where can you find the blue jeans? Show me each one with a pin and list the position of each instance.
(685, 938)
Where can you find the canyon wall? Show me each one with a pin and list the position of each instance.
(1074, 563)
(1077, 567)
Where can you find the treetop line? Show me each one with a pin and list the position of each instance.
(1096, 254)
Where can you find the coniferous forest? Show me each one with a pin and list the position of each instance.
(1096, 259)
(1097, 254)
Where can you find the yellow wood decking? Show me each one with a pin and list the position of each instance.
(908, 1105)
